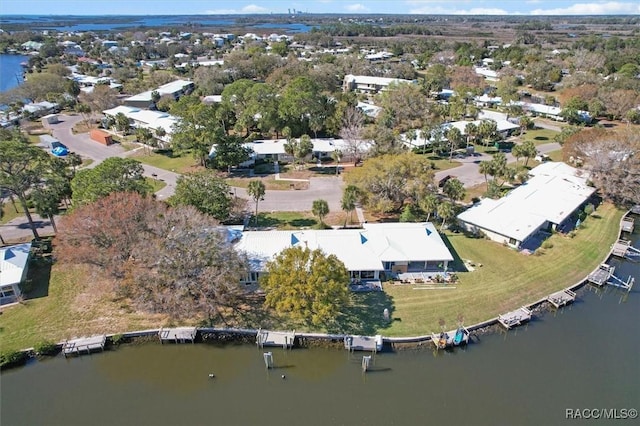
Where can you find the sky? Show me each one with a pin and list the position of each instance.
(220, 7)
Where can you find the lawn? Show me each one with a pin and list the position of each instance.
(270, 183)
(9, 212)
(156, 184)
(64, 309)
(506, 280)
(538, 136)
(167, 161)
(294, 220)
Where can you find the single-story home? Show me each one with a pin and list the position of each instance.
(148, 119)
(367, 253)
(175, 88)
(14, 265)
(545, 202)
(369, 84)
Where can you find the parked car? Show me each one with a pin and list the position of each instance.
(59, 149)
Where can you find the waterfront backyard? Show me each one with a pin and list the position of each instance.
(64, 308)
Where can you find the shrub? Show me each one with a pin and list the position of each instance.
(539, 251)
(12, 358)
(589, 209)
(46, 348)
(117, 339)
(571, 234)
(547, 244)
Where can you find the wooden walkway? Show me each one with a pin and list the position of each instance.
(561, 298)
(514, 318)
(84, 345)
(363, 343)
(178, 335)
(448, 339)
(275, 338)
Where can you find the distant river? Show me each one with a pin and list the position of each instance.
(10, 71)
(585, 357)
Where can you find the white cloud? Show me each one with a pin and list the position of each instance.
(357, 7)
(252, 8)
(446, 11)
(608, 8)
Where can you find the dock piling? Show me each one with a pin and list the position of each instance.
(268, 360)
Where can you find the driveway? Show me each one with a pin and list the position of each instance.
(325, 188)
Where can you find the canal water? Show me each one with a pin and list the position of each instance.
(11, 71)
(585, 357)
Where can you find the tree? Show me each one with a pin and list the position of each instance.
(525, 123)
(336, 156)
(172, 260)
(205, 191)
(22, 167)
(471, 130)
(300, 101)
(454, 137)
(198, 128)
(446, 211)
(307, 286)
(528, 151)
(388, 181)
(144, 135)
(114, 174)
(256, 190)
(320, 208)
(454, 189)
(487, 130)
(350, 196)
(428, 204)
(122, 123)
(299, 148)
(612, 159)
(46, 203)
(485, 168)
(229, 151)
(351, 132)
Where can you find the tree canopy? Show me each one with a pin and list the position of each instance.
(172, 260)
(306, 285)
(205, 191)
(388, 181)
(114, 174)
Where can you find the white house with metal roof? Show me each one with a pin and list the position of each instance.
(545, 202)
(14, 264)
(369, 84)
(175, 88)
(367, 253)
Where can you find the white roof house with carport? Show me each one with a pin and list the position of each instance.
(366, 252)
(545, 202)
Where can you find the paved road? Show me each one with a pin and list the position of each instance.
(18, 229)
(326, 188)
(468, 173)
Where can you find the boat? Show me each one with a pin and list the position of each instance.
(459, 337)
(442, 341)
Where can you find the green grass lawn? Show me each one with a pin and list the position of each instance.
(506, 280)
(538, 136)
(9, 212)
(156, 184)
(178, 164)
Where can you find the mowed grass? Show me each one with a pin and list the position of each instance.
(538, 136)
(506, 280)
(178, 164)
(65, 309)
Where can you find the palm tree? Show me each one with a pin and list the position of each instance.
(337, 156)
(472, 131)
(454, 136)
(485, 167)
(428, 204)
(256, 190)
(445, 211)
(348, 203)
(320, 208)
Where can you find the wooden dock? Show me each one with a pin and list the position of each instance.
(275, 338)
(627, 224)
(514, 318)
(601, 275)
(84, 345)
(178, 335)
(363, 343)
(561, 298)
(445, 340)
(621, 247)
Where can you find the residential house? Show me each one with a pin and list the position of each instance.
(175, 88)
(369, 84)
(369, 253)
(14, 265)
(546, 202)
